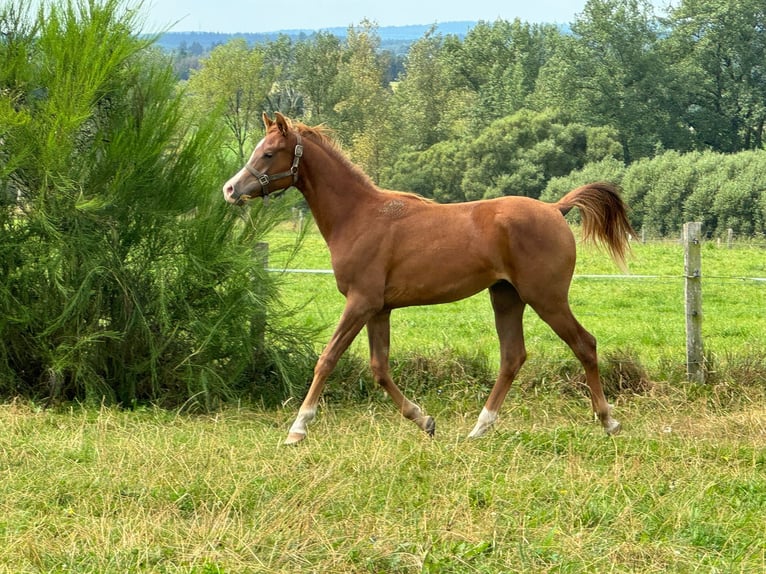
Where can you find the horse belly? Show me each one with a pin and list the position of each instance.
(435, 281)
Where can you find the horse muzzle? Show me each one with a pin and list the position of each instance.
(238, 193)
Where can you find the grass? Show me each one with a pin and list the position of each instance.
(681, 489)
(642, 314)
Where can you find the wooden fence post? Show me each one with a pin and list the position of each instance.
(258, 322)
(261, 253)
(695, 355)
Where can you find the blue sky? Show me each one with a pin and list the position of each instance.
(265, 16)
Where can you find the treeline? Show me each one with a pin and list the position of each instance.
(189, 47)
(657, 98)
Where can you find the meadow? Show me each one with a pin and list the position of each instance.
(681, 489)
(642, 312)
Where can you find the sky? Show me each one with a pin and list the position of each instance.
(263, 16)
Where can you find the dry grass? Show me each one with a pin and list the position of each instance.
(681, 490)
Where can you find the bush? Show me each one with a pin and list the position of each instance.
(722, 191)
(736, 205)
(520, 153)
(124, 276)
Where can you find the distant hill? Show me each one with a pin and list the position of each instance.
(394, 38)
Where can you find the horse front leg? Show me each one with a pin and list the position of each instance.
(354, 316)
(378, 332)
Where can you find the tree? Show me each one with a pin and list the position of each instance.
(436, 172)
(430, 101)
(718, 49)
(361, 108)
(610, 72)
(279, 61)
(500, 62)
(316, 67)
(235, 80)
(518, 154)
(124, 277)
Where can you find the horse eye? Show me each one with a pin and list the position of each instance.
(268, 155)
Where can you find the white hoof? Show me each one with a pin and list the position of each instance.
(485, 422)
(612, 426)
(294, 438)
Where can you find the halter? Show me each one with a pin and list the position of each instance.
(264, 179)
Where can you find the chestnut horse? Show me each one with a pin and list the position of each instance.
(391, 249)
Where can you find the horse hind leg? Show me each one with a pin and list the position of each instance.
(509, 314)
(378, 331)
(583, 345)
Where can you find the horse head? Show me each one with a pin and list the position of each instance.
(275, 160)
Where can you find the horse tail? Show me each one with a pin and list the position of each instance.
(604, 217)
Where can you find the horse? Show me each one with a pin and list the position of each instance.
(393, 249)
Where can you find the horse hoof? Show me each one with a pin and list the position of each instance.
(612, 427)
(294, 438)
(430, 427)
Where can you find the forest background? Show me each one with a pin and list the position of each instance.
(126, 278)
(668, 105)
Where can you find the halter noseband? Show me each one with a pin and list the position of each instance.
(264, 179)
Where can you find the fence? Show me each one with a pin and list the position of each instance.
(692, 240)
(695, 355)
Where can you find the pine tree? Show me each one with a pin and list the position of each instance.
(124, 276)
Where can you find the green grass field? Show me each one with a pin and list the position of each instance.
(642, 314)
(681, 489)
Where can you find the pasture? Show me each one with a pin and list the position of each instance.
(681, 489)
(643, 313)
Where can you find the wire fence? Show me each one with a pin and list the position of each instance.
(737, 301)
(628, 276)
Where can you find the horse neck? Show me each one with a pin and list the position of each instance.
(335, 193)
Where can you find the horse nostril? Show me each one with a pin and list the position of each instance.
(228, 192)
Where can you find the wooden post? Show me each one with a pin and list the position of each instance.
(729, 237)
(695, 355)
(261, 253)
(258, 322)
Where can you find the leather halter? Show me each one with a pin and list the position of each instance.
(264, 179)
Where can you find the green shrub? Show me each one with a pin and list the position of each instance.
(124, 276)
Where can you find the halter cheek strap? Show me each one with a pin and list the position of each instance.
(264, 179)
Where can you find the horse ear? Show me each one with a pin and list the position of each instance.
(282, 123)
(267, 122)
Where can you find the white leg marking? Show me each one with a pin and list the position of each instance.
(486, 419)
(612, 426)
(304, 417)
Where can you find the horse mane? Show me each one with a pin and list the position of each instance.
(324, 136)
